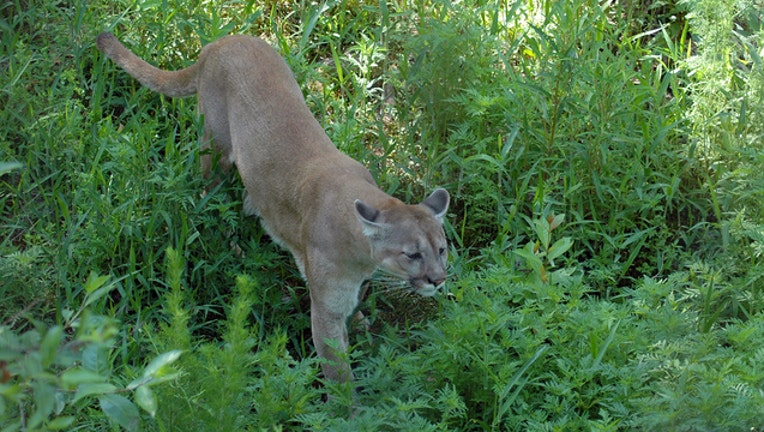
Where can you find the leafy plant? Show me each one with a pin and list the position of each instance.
(221, 382)
(540, 254)
(51, 374)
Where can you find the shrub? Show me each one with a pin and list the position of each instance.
(50, 376)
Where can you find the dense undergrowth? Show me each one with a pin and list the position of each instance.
(607, 231)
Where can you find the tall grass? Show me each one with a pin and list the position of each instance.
(606, 230)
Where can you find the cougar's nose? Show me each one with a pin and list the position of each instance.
(436, 281)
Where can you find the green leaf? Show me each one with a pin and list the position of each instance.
(13, 393)
(556, 221)
(95, 289)
(60, 423)
(158, 370)
(120, 410)
(145, 399)
(635, 237)
(97, 295)
(44, 400)
(95, 357)
(503, 394)
(541, 226)
(531, 259)
(6, 167)
(558, 248)
(311, 24)
(90, 389)
(49, 345)
(94, 282)
(10, 346)
(155, 368)
(606, 345)
(78, 375)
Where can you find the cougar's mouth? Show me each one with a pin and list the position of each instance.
(425, 289)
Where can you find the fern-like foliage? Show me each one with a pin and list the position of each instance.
(237, 382)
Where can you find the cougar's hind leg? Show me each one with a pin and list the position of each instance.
(214, 154)
(206, 156)
(216, 138)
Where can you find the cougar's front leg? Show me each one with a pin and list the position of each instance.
(332, 300)
(330, 337)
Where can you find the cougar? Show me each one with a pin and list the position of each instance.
(318, 203)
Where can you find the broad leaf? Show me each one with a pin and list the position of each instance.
(49, 345)
(558, 248)
(78, 375)
(154, 369)
(121, 411)
(145, 399)
(60, 423)
(93, 389)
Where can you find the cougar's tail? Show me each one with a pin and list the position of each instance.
(171, 83)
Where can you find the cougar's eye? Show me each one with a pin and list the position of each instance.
(414, 256)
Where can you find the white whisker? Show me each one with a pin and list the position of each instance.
(380, 272)
(386, 282)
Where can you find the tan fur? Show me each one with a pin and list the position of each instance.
(320, 204)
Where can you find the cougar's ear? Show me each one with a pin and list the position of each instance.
(369, 218)
(438, 202)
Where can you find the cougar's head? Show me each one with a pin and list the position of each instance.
(408, 240)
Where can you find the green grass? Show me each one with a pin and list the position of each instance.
(607, 226)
